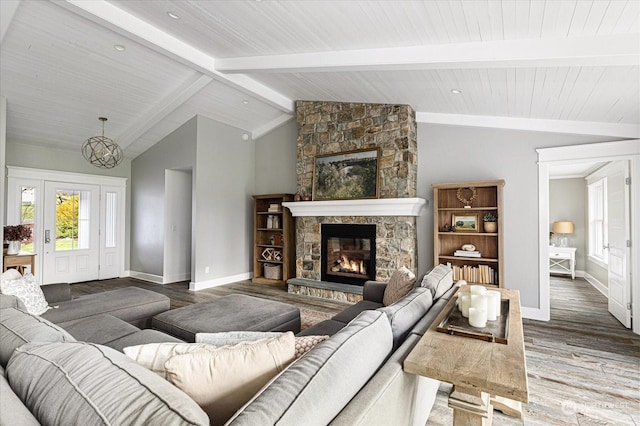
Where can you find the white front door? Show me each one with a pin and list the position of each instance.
(619, 234)
(71, 246)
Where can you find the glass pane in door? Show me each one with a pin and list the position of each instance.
(72, 219)
(28, 215)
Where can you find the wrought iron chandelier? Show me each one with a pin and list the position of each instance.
(101, 151)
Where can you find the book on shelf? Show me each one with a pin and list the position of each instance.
(481, 274)
(466, 253)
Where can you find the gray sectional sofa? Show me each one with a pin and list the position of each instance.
(354, 377)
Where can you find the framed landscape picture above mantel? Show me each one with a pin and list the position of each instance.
(346, 175)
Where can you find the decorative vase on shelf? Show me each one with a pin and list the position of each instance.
(490, 226)
(14, 247)
(490, 222)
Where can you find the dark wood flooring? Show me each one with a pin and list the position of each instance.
(583, 365)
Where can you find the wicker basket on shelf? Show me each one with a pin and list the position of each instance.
(272, 271)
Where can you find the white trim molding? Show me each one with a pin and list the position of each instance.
(627, 150)
(157, 279)
(373, 207)
(597, 284)
(219, 281)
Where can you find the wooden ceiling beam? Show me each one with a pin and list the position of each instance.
(610, 50)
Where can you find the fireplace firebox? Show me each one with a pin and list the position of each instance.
(348, 253)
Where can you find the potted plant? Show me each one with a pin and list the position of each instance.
(490, 222)
(14, 235)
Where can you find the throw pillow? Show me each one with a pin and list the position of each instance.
(11, 274)
(234, 337)
(305, 343)
(153, 355)
(222, 380)
(439, 280)
(399, 285)
(28, 291)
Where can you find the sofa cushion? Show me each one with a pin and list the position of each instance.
(221, 380)
(332, 372)
(406, 312)
(353, 311)
(27, 290)
(131, 304)
(13, 411)
(401, 282)
(153, 355)
(305, 343)
(101, 329)
(328, 327)
(142, 337)
(84, 383)
(439, 280)
(7, 301)
(18, 327)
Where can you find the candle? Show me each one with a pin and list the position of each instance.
(478, 289)
(478, 301)
(491, 308)
(477, 317)
(464, 301)
(496, 298)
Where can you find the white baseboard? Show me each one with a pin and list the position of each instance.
(125, 274)
(185, 276)
(533, 313)
(597, 284)
(219, 281)
(580, 273)
(158, 279)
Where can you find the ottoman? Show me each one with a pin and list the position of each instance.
(235, 312)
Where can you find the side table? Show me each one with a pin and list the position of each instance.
(562, 260)
(19, 261)
(484, 375)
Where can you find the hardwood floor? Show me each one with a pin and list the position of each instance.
(583, 365)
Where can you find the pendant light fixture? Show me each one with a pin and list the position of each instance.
(101, 151)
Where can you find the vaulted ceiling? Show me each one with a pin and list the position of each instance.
(549, 66)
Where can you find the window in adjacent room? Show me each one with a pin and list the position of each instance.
(597, 197)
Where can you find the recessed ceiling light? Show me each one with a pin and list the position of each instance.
(246, 102)
(173, 15)
(456, 91)
(245, 137)
(119, 47)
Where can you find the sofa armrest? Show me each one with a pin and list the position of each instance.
(373, 291)
(55, 293)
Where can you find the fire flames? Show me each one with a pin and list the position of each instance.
(354, 266)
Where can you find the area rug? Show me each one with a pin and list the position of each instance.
(309, 317)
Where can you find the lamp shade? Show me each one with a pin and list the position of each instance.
(563, 227)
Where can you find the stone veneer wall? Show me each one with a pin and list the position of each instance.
(333, 127)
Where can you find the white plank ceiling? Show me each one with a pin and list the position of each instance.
(555, 65)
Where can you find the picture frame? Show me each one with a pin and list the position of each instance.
(349, 175)
(465, 222)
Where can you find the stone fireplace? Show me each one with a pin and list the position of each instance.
(334, 127)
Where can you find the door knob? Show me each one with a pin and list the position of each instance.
(47, 236)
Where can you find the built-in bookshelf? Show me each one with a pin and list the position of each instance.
(273, 240)
(459, 210)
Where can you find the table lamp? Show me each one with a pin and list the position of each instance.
(563, 228)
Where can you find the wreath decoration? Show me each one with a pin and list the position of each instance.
(467, 195)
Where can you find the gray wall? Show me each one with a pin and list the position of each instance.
(455, 153)
(568, 202)
(276, 160)
(176, 151)
(23, 154)
(224, 184)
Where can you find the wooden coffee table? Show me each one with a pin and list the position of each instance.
(484, 375)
